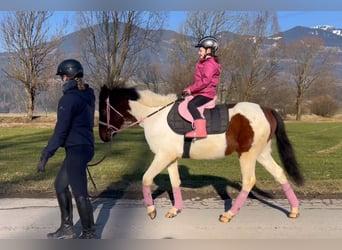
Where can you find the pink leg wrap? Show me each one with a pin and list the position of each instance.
(177, 196)
(290, 195)
(147, 195)
(239, 202)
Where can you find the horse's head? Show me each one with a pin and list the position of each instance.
(114, 110)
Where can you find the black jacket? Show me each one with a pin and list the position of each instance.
(75, 119)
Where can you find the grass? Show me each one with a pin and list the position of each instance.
(317, 146)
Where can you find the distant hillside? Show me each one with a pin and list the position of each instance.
(330, 37)
(70, 45)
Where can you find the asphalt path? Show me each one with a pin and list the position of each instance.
(25, 218)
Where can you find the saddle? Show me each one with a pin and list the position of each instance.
(185, 113)
(180, 120)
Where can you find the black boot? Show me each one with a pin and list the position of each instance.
(66, 230)
(85, 211)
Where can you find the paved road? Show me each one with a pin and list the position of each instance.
(127, 219)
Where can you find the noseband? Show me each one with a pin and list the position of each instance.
(109, 126)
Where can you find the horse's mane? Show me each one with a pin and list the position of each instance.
(151, 99)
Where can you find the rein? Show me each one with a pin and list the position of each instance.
(117, 130)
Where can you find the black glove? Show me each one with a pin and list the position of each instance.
(185, 94)
(41, 164)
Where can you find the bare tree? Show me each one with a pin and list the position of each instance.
(30, 46)
(182, 59)
(114, 40)
(311, 65)
(183, 56)
(151, 75)
(252, 65)
(203, 23)
(247, 65)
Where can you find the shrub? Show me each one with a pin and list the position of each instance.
(324, 106)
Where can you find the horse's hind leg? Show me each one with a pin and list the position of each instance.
(247, 163)
(277, 172)
(177, 195)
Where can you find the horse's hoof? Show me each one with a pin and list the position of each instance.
(225, 219)
(172, 214)
(152, 214)
(293, 215)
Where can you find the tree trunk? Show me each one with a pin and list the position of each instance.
(29, 104)
(298, 108)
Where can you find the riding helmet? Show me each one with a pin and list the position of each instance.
(70, 67)
(208, 42)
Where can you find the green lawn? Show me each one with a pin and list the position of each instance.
(317, 146)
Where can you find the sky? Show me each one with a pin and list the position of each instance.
(290, 19)
(287, 19)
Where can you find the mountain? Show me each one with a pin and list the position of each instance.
(329, 28)
(70, 45)
(329, 35)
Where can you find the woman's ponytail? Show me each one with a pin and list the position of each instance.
(80, 85)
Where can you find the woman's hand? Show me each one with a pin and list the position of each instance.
(41, 164)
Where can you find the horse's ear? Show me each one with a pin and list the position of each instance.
(104, 92)
(104, 87)
(132, 94)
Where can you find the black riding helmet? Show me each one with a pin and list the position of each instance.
(208, 42)
(70, 67)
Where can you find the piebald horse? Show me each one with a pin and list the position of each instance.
(250, 131)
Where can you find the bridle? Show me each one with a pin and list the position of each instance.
(114, 130)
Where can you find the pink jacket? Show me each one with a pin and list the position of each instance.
(206, 78)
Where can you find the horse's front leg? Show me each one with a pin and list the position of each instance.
(159, 162)
(177, 195)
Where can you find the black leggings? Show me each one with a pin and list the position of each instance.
(73, 170)
(195, 103)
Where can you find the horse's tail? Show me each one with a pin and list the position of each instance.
(286, 152)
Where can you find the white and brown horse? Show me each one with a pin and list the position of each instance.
(250, 131)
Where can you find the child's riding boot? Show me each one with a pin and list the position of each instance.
(200, 130)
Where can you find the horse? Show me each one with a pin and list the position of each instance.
(249, 133)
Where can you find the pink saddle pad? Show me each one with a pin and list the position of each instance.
(184, 112)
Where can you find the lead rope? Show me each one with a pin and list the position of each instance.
(99, 161)
(114, 130)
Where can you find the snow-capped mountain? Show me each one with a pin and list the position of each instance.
(331, 37)
(329, 28)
